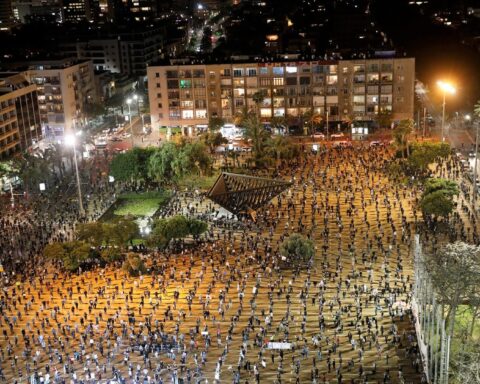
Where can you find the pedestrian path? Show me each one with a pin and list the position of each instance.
(210, 310)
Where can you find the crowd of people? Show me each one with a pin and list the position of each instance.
(226, 309)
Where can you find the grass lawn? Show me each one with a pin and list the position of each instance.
(141, 204)
(463, 321)
(138, 204)
(139, 208)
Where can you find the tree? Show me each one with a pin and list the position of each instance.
(437, 198)
(93, 110)
(160, 164)
(193, 158)
(111, 254)
(132, 165)
(313, 120)
(476, 109)
(437, 204)
(384, 119)
(134, 265)
(206, 43)
(115, 101)
(279, 123)
(121, 232)
(425, 153)
(281, 149)
(213, 140)
(92, 233)
(400, 134)
(449, 187)
(72, 254)
(297, 249)
(215, 123)
(54, 156)
(54, 251)
(467, 365)
(31, 169)
(258, 98)
(196, 227)
(255, 131)
(455, 274)
(176, 227)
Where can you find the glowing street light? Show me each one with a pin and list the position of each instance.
(446, 88)
(71, 140)
(129, 102)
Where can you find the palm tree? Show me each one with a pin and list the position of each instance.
(258, 98)
(313, 118)
(255, 132)
(401, 133)
(278, 122)
(476, 109)
(31, 169)
(54, 156)
(277, 146)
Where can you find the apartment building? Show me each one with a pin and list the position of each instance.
(349, 90)
(64, 88)
(120, 51)
(20, 124)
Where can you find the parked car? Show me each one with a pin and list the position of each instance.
(319, 135)
(337, 135)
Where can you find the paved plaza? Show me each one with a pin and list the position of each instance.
(207, 312)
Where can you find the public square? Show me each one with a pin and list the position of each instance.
(206, 313)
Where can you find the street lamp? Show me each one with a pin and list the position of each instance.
(475, 164)
(446, 88)
(70, 140)
(138, 100)
(129, 101)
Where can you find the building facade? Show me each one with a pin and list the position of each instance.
(37, 10)
(349, 90)
(123, 52)
(20, 124)
(64, 87)
(80, 10)
(6, 15)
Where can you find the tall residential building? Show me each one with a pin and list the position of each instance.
(25, 10)
(349, 90)
(120, 51)
(6, 15)
(80, 10)
(20, 125)
(64, 89)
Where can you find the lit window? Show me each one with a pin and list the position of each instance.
(265, 112)
(277, 70)
(291, 69)
(201, 113)
(187, 114)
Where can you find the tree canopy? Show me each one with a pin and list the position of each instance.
(425, 153)
(297, 249)
(400, 135)
(437, 198)
(455, 273)
(117, 233)
(131, 165)
(176, 227)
